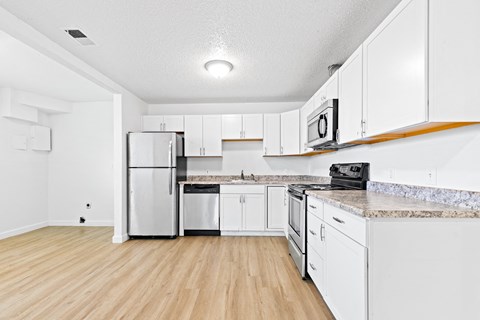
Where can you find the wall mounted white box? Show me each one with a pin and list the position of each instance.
(41, 138)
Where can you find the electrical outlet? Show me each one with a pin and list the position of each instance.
(390, 174)
(431, 176)
(88, 206)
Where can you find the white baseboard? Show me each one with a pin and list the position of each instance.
(25, 229)
(120, 238)
(253, 233)
(75, 223)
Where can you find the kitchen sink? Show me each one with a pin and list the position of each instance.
(240, 181)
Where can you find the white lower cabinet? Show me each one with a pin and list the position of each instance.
(346, 276)
(336, 263)
(242, 208)
(231, 208)
(393, 268)
(277, 209)
(253, 212)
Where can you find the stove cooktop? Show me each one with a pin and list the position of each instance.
(303, 187)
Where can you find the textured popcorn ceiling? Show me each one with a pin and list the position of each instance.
(280, 49)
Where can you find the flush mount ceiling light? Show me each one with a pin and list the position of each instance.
(218, 68)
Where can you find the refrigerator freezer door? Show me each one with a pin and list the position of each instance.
(152, 203)
(152, 150)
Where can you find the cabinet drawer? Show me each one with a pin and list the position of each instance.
(347, 223)
(315, 206)
(315, 234)
(242, 188)
(316, 269)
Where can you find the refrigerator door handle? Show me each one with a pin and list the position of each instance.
(170, 161)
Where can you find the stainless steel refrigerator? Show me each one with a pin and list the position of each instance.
(156, 163)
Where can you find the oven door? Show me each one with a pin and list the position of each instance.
(296, 219)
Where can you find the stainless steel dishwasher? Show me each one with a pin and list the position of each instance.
(201, 209)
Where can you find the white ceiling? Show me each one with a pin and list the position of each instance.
(280, 49)
(24, 68)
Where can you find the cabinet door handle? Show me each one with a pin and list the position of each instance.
(313, 207)
(312, 266)
(281, 150)
(265, 150)
(322, 232)
(338, 220)
(312, 232)
(338, 135)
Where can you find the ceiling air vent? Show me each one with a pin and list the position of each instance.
(79, 36)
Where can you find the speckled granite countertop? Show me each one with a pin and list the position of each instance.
(260, 180)
(370, 204)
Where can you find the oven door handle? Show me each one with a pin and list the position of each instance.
(291, 194)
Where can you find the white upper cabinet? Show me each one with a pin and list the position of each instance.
(305, 111)
(350, 94)
(152, 123)
(290, 133)
(203, 136)
(193, 136)
(172, 123)
(212, 136)
(331, 87)
(271, 134)
(395, 70)
(454, 63)
(328, 91)
(246, 126)
(232, 126)
(253, 126)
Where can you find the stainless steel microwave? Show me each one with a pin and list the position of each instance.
(323, 125)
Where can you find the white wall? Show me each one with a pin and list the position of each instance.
(223, 108)
(127, 112)
(454, 155)
(238, 156)
(23, 177)
(81, 165)
(247, 156)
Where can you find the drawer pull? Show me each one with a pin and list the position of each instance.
(338, 220)
(313, 267)
(313, 207)
(322, 233)
(312, 232)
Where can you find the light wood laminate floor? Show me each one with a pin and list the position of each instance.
(77, 273)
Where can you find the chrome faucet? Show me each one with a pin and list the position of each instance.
(242, 176)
